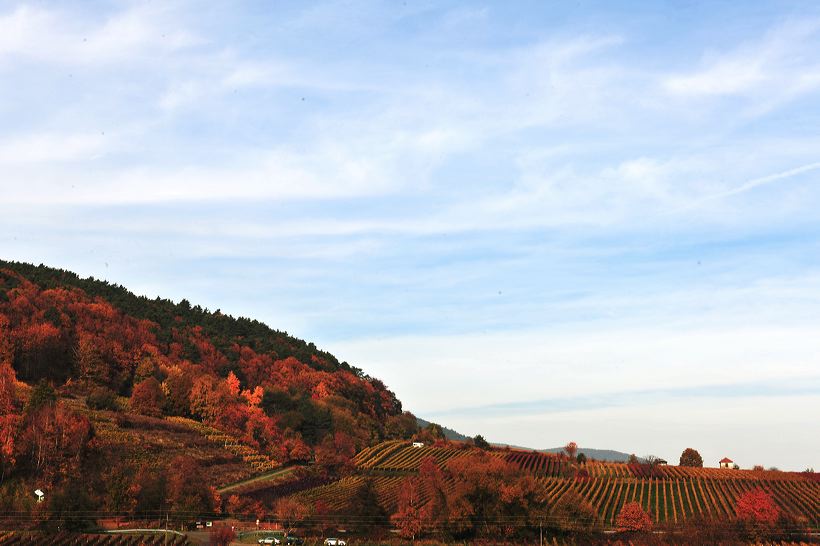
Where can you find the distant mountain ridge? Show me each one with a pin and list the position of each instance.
(449, 433)
(597, 454)
(590, 453)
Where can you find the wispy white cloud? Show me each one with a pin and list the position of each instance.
(43, 148)
(770, 70)
(54, 36)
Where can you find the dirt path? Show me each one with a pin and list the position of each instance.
(259, 477)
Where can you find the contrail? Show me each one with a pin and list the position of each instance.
(764, 180)
(750, 185)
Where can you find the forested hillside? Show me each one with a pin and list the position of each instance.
(97, 382)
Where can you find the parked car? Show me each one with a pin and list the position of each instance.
(335, 542)
(294, 541)
(272, 537)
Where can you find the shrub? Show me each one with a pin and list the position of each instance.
(632, 517)
(102, 398)
(221, 536)
(757, 507)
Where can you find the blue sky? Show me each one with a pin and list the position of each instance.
(540, 222)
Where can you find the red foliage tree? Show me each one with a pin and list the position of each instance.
(221, 536)
(335, 454)
(187, 490)
(147, 398)
(290, 512)
(632, 517)
(9, 421)
(8, 434)
(88, 360)
(178, 385)
(53, 440)
(409, 517)
(261, 431)
(488, 489)
(571, 449)
(42, 350)
(757, 507)
(8, 391)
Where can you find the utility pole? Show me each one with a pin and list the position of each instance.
(541, 530)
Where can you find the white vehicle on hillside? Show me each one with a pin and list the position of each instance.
(335, 542)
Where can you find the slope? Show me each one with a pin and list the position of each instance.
(107, 399)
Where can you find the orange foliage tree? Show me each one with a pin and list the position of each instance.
(690, 457)
(187, 489)
(148, 398)
(290, 512)
(633, 518)
(410, 515)
(9, 420)
(489, 489)
(54, 439)
(335, 454)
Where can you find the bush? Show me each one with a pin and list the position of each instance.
(633, 518)
(221, 536)
(102, 398)
(757, 507)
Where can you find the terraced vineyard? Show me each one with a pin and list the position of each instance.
(673, 501)
(18, 538)
(540, 464)
(259, 461)
(401, 457)
(670, 494)
(337, 495)
(137, 439)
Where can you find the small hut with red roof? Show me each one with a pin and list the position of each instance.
(726, 462)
